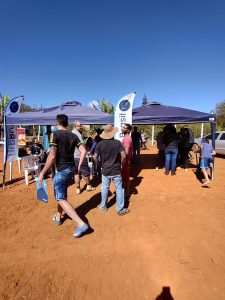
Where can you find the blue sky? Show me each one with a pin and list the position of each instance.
(171, 50)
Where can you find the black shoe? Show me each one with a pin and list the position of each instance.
(167, 173)
(173, 173)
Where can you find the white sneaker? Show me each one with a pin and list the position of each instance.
(78, 190)
(90, 188)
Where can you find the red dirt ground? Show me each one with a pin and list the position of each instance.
(173, 237)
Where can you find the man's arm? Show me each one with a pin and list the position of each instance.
(96, 159)
(83, 152)
(49, 163)
(123, 158)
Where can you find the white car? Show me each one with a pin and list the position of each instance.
(219, 141)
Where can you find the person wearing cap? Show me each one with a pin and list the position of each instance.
(112, 155)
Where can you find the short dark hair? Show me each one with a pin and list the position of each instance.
(62, 120)
(129, 127)
(206, 141)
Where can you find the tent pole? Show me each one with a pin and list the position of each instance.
(39, 130)
(153, 133)
(202, 130)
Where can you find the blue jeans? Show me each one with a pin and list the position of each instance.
(61, 182)
(171, 158)
(117, 180)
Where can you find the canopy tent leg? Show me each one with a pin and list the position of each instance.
(202, 130)
(153, 134)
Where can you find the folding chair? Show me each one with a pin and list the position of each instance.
(30, 165)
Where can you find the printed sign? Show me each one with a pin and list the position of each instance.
(21, 136)
(123, 114)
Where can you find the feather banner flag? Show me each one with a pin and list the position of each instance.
(123, 113)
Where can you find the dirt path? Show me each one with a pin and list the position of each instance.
(173, 237)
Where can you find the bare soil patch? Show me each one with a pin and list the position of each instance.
(173, 237)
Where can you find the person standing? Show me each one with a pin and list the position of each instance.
(161, 150)
(62, 146)
(144, 138)
(112, 156)
(184, 147)
(170, 140)
(128, 146)
(84, 170)
(206, 159)
(136, 139)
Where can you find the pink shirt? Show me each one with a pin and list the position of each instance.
(127, 143)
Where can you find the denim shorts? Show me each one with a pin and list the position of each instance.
(61, 182)
(205, 162)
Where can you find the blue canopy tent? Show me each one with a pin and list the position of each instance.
(158, 114)
(74, 110)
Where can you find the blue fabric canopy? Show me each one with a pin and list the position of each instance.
(74, 111)
(157, 113)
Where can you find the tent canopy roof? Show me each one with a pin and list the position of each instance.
(74, 110)
(156, 113)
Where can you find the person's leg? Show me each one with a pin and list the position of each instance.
(104, 191)
(117, 180)
(69, 210)
(185, 158)
(126, 178)
(174, 152)
(204, 168)
(167, 160)
(77, 181)
(61, 182)
(205, 173)
(85, 173)
(138, 154)
(59, 213)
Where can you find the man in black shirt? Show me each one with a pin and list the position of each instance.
(62, 145)
(112, 157)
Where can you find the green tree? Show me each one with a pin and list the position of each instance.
(27, 108)
(103, 105)
(4, 102)
(219, 111)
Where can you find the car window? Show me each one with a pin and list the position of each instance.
(222, 136)
(209, 136)
(216, 135)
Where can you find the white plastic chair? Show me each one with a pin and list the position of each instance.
(30, 164)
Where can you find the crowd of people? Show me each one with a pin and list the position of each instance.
(174, 147)
(68, 154)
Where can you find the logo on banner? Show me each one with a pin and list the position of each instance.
(14, 107)
(123, 114)
(124, 105)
